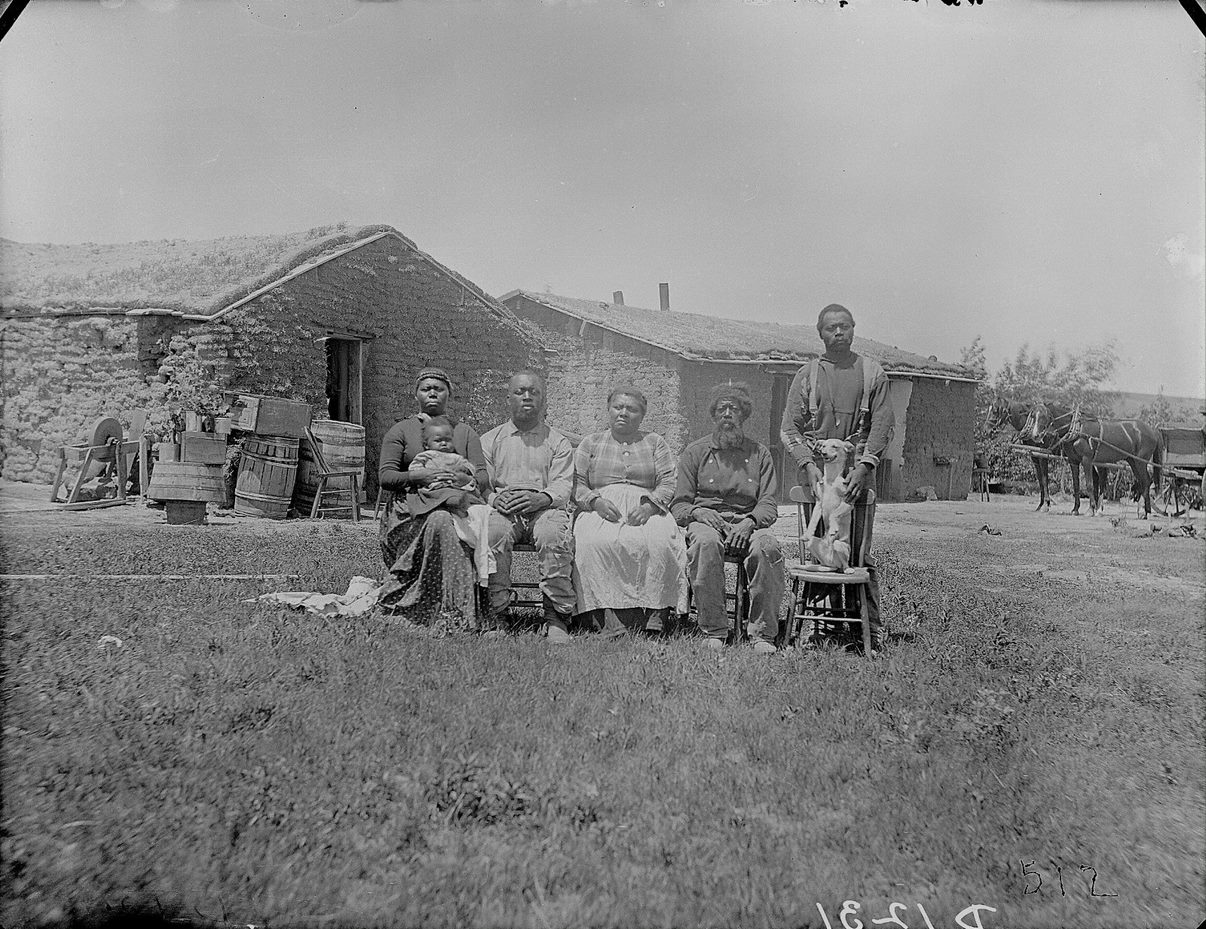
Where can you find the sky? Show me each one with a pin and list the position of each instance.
(1028, 172)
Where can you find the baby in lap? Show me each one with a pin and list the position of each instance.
(470, 514)
(439, 455)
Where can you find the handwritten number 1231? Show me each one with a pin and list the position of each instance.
(967, 918)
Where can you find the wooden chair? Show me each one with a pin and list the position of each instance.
(981, 478)
(321, 507)
(822, 597)
(737, 602)
(525, 593)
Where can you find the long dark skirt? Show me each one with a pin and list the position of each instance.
(431, 578)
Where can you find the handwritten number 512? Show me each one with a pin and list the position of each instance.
(1027, 873)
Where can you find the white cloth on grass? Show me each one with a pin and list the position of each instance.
(361, 597)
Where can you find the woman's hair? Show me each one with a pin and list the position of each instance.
(627, 390)
(436, 374)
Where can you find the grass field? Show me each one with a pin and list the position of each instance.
(1038, 715)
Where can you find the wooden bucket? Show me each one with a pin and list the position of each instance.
(186, 480)
(267, 473)
(342, 448)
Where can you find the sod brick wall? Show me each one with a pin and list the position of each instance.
(415, 315)
(62, 372)
(59, 375)
(941, 421)
(586, 362)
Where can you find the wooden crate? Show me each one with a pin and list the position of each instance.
(202, 448)
(270, 415)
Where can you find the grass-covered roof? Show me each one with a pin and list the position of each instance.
(181, 275)
(717, 339)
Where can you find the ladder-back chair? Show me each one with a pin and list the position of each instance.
(821, 597)
(322, 504)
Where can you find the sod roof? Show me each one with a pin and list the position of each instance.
(712, 338)
(195, 277)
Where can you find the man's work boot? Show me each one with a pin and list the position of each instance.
(556, 625)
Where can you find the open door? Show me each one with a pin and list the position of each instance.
(345, 388)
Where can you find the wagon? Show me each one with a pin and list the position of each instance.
(1184, 465)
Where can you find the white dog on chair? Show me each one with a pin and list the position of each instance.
(831, 552)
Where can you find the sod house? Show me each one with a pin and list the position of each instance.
(676, 358)
(338, 317)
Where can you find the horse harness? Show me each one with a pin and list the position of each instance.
(1051, 436)
(1075, 432)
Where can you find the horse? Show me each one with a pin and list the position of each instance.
(1110, 441)
(1049, 425)
(1020, 416)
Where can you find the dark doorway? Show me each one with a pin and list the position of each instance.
(785, 465)
(344, 382)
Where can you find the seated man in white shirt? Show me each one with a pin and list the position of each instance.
(531, 469)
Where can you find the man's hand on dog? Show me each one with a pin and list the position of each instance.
(812, 477)
(856, 480)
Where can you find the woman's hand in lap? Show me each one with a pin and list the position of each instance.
(608, 510)
(639, 514)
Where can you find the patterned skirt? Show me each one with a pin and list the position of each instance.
(431, 580)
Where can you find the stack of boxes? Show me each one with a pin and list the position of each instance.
(268, 463)
(189, 475)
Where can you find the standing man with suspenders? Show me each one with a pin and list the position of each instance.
(841, 395)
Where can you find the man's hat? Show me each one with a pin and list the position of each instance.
(738, 391)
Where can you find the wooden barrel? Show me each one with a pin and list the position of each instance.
(342, 448)
(185, 480)
(267, 473)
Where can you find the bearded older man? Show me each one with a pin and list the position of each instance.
(726, 501)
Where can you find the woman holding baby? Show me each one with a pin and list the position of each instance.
(433, 469)
(630, 557)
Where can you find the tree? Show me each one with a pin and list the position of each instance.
(1074, 379)
(974, 358)
(1159, 412)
